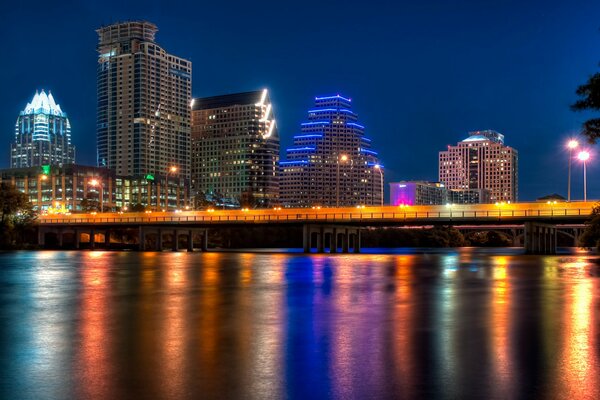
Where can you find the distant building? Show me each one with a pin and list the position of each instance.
(42, 135)
(481, 161)
(66, 187)
(143, 110)
(235, 149)
(410, 193)
(331, 162)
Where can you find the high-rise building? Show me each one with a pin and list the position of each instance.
(414, 193)
(42, 135)
(481, 161)
(331, 163)
(144, 96)
(235, 149)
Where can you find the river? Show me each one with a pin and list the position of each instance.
(455, 324)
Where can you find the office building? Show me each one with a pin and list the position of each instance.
(42, 135)
(481, 161)
(421, 193)
(235, 150)
(144, 94)
(331, 162)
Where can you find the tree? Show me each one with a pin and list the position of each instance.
(18, 216)
(90, 203)
(138, 207)
(589, 94)
(591, 235)
(11, 201)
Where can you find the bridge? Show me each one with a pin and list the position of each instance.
(332, 226)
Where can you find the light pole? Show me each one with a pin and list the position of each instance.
(95, 182)
(343, 158)
(172, 170)
(583, 156)
(378, 168)
(572, 144)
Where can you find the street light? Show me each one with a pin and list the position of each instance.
(572, 144)
(172, 170)
(583, 156)
(378, 168)
(95, 182)
(342, 158)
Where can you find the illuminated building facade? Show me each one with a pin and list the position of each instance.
(331, 162)
(42, 135)
(144, 95)
(235, 149)
(409, 193)
(481, 161)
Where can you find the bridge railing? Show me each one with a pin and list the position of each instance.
(322, 216)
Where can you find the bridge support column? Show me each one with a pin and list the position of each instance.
(159, 240)
(175, 241)
(333, 245)
(107, 239)
(321, 241)
(357, 241)
(346, 241)
(190, 243)
(41, 236)
(77, 238)
(92, 239)
(142, 239)
(205, 240)
(306, 238)
(59, 235)
(540, 238)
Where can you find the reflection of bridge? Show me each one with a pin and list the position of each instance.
(328, 227)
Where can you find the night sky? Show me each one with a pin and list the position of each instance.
(421, 74)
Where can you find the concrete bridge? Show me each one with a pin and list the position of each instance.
(327, 227)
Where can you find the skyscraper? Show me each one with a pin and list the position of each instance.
(42, 135)
(481, 161)
(331, 163)
(144, 98)
(235, 149)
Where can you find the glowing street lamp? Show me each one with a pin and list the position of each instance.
(172, 170)
(378, 168)
(342, 158)
(571, 145)
(583, 156)
(95, 182)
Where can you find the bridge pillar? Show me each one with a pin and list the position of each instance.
(41, 236)
(333, 245)
(205, 240)
(357, 241)
(320, 241)
(540, 238)
(159, 240)
(190, 243)
(306, 238)
(59, 235)
(92, 239)
(107, 239)
(77, 238)
(142, 239)
(346, 241)
(175, 241)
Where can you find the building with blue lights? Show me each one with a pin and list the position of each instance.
(42, 135)
(331, 162)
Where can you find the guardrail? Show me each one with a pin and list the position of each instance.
(281, 217)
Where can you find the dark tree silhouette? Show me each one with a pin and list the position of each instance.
(589, 100)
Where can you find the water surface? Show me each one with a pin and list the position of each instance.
(452, 325)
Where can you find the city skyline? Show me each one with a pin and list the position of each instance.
(428, 105)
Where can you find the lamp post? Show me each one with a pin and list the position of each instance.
(378, 168)
(342, 158)
(172, 170)
(583, 156)
(95, 182)
(571, 145)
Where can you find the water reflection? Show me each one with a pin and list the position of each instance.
(255, 326)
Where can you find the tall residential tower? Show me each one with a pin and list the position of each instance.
(331, 163)
(235, 149)
(144, 96)
(42, 135)
(481, 161)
